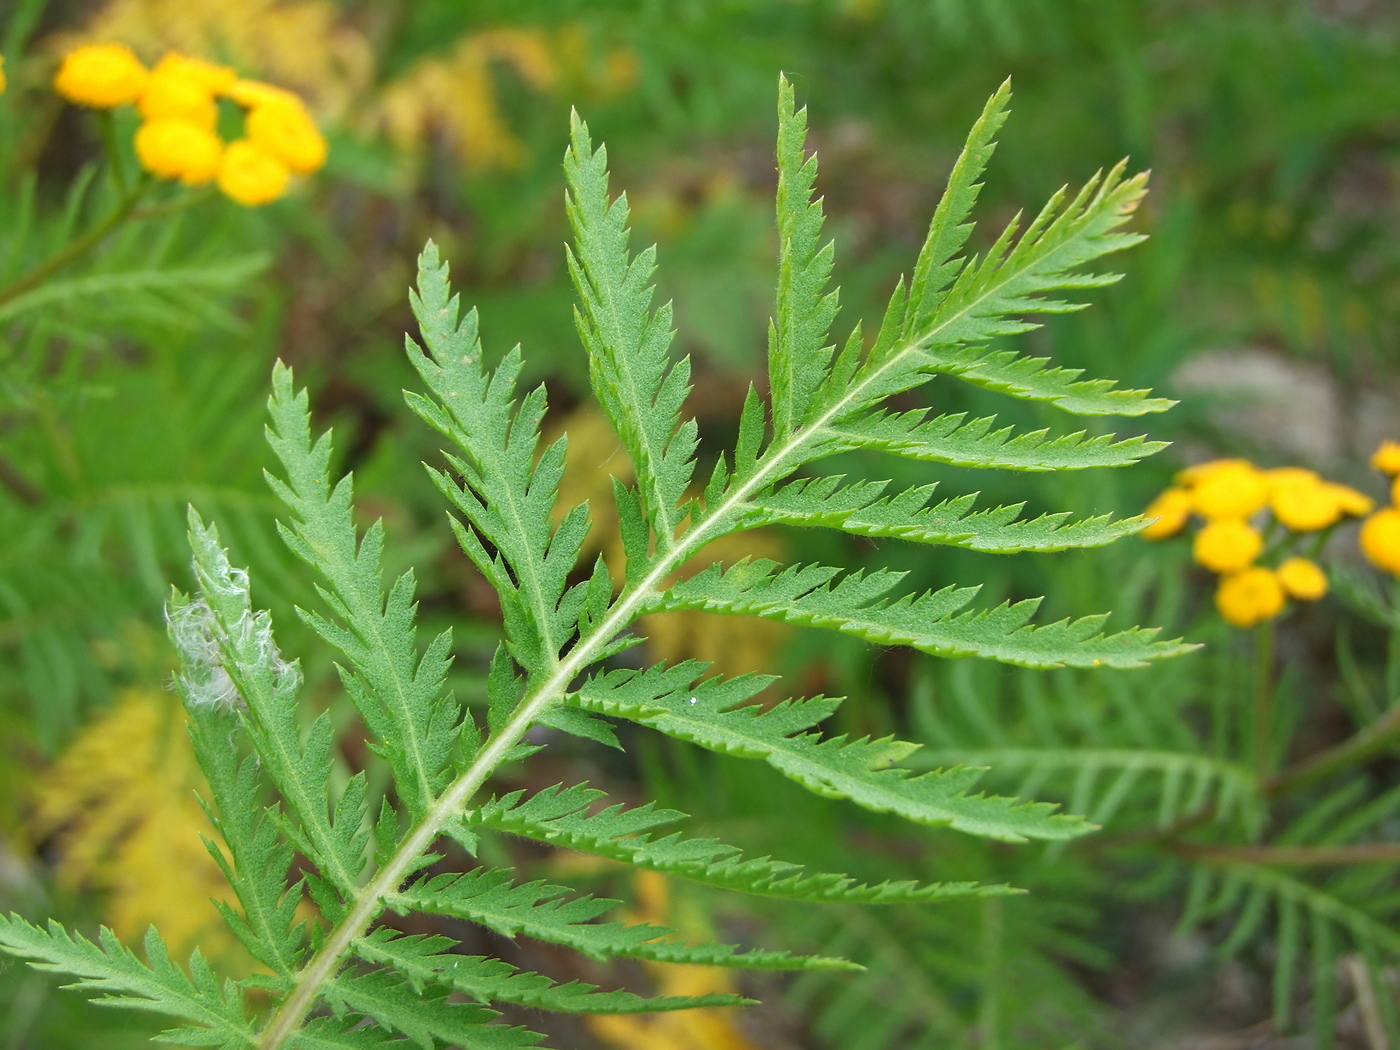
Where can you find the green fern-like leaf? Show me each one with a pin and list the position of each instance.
(292, 837)
(215, 1011)
(560, 816)
(713, 714)
(540, 910)
(813, 596)
(420, 959)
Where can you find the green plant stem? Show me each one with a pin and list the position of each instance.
(1263, 699)
(114, 156)
(1369, 741)
(73, 250)
(126, 210)
(369, 902)
(1293, 856)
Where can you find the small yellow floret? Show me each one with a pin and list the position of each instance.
(1394, 493)
(101, 76)
(1249, 597)
(1386, 459)
(172, 95)
(1232, 490)
(1352, 502)
(250, 93)
(211, 76)
(1172, 509)
(1380, 539)
(2, 74)
(1305, 504)
(179, 149)
(1227, 546)
(1189, 476)
(250, 175)
(1303, 578)
(286, 130)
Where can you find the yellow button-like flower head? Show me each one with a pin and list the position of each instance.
(1305, 504)
(1380, 539)
(250, 93)
(1198, 471)
(1303, 578)
(1231, 490)
(285, 129)
(1227, 545)
(250, 175)
(212, 77)
(179, 149)
(101, 76)
(2, 74)
(172, 95)
(1386, 459)
(1352, 502)
(1249, 597)
(1171, 509)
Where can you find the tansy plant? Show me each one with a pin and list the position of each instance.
(1262, 531)
(322, 876)
(178, 139)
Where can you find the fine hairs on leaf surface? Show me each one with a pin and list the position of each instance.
(346, 977)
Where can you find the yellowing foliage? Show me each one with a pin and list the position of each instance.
(456, 96)
(121, 802)
(711, 1029)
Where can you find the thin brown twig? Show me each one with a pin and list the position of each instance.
(1293, 856)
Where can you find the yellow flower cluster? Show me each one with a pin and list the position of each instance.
(1229, 495)
(178, 101)
(1380, 533)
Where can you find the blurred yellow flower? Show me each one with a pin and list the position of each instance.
(284, 128)
(174, 95)
(1386, 458)
(101, 76)
(1232, 489)
(1351, 501)
(211, 76)
(1227, 546)
(1172, 509)
(179, 149)
(1249, 597)
(1303, 578)
(1189, 476)
(2, 74)
(1380, 539)
(1305, 504)
(250, 93)
(250, 175)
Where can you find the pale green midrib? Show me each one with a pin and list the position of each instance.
(544, 615)
(367, 905)
(371, 612)
(649, 472)
(295, 790)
